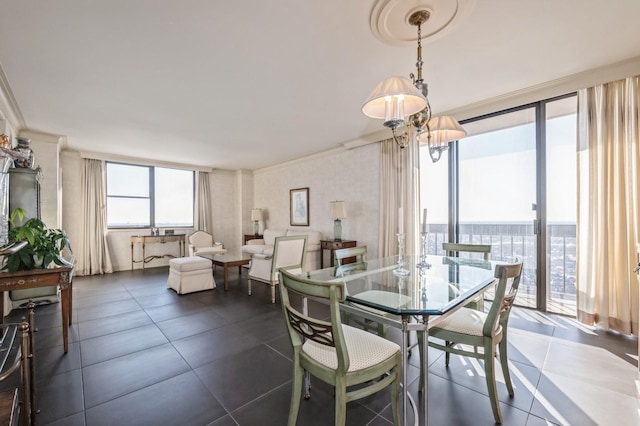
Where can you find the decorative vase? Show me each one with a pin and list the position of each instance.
(25, 158)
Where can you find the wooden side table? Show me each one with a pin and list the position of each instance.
(333, 245)
(248, 237)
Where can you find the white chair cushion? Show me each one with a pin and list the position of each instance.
(185, 264)
(365, 349)
(464, 321)
(211, 250)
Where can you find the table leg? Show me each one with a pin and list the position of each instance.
(425, 373)
(64, 294)
(405, 356)
(226, 278)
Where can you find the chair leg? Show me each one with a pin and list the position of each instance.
(273, 293)
(296, 390)
(395, 395)
(249, 286)
(447, 355)
(341, 404)
(504, 362)
(490, 376)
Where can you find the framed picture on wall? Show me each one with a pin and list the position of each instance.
(299, 207)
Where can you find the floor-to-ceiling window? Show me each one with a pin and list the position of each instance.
(511, 183)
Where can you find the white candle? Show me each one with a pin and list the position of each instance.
(400, 221)
(424, 220)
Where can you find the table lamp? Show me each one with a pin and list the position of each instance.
(256, 217)
(337, 214)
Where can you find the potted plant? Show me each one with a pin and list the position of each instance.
(44, 245)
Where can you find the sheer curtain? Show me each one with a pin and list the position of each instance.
(204, 203)
(94, 253)
(608, 204)
(399, 187)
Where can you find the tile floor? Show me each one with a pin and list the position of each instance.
(141, 355)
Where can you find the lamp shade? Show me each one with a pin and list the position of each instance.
(256, 214)
(394, 97)
(443, 129)
(338, 210)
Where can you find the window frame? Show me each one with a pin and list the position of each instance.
(151, 197)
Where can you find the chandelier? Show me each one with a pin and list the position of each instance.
(396, 98)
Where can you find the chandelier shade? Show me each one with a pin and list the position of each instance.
(442, 130)
(394, 98)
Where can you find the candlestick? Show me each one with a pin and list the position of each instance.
(400, 270)
(400, 221)
(424, 220)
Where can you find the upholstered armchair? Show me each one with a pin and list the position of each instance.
(288, 253)
(201, 242)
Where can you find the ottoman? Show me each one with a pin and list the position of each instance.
(189, 274)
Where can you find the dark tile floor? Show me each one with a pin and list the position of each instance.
(141, 355)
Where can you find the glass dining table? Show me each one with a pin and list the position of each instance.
(411, 303)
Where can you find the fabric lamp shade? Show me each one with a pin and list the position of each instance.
(394, 97)
(337, 210)
(256, 214)
(443, 129)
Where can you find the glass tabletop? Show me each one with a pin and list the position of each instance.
(426, 291)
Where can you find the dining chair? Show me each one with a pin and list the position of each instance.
(484, 331)
(455, 249)
(357, 363)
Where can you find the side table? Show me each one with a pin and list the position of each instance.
(333, 245)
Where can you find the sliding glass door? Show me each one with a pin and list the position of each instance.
(511, 183)
(496, 176)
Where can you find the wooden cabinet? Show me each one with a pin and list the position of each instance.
(331, 246)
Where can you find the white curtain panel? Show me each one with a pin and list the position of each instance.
(204, 203)
(608, 204)
(399, 187)
(93, 256)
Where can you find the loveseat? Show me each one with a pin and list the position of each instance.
(264, 246)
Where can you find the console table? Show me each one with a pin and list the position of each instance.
(43, 278)
(333, 245)
(156, 239)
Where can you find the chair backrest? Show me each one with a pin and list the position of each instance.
(452, 249)
(303, 326)
(201, 239)
(360, 264)
(508, 275)
(288, 253)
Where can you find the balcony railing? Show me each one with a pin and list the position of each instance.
(509, 240)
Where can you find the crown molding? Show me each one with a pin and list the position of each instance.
(317, 155)
(143, 161)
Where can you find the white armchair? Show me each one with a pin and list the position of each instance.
(288, 253)
(201, 242)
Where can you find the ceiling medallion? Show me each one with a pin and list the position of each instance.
(390, 19)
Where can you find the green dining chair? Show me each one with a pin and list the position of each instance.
(455, 249)
(357, 363)
(484, 331)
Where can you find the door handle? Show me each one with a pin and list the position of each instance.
(537, 227)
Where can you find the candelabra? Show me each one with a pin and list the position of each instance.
(400, 270)
(423, 264)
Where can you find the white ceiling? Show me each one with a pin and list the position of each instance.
(248, 84)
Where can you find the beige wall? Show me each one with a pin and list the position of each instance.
(349, 175)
